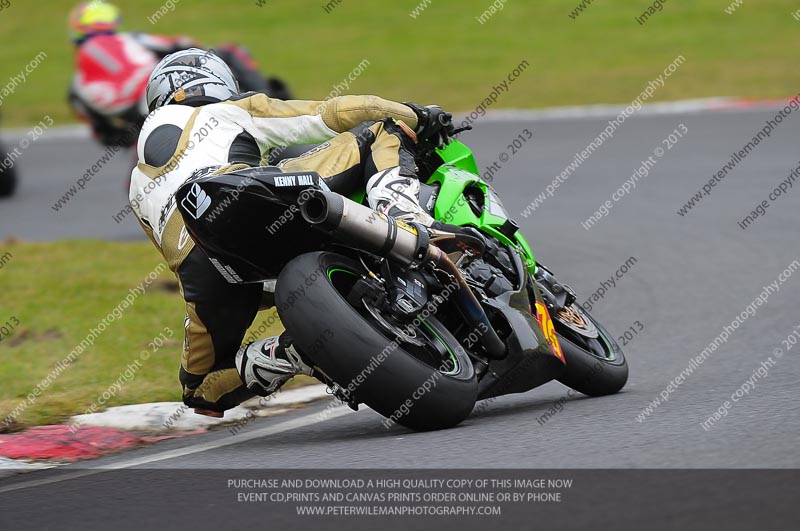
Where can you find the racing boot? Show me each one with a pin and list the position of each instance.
(265, 365)
(394, 194)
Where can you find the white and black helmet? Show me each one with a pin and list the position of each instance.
(187, 74)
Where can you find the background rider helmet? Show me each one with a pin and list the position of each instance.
(93, 18)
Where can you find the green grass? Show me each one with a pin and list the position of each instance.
(58, 292)
(445, 55)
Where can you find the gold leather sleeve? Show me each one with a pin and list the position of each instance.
(345, 112)
(339, 114)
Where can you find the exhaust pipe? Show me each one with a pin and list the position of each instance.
(380, 234)
(470, 307)
(365, 228)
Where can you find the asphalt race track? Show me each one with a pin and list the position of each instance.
(692, 276)
(47, 170)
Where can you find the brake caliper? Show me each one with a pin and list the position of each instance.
(408, 294)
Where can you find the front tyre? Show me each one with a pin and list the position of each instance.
(428, 386)
(596, 365)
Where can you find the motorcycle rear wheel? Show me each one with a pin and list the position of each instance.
(404, 383)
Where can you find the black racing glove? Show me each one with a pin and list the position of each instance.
(434, 124)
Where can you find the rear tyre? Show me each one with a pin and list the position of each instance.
(427, 387)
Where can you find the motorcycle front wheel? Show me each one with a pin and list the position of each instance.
(596, 365)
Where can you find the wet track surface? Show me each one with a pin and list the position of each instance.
(692, 276)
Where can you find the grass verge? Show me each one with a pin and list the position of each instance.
(53, 294)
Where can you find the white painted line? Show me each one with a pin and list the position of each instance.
(612, 111)
(10, 467)
(64, 132)
(288, 425)
(297, 395)
(577, 112)
(170, 417)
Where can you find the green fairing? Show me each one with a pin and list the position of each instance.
(458, 173)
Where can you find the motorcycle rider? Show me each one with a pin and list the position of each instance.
(201, 124)
(113, 68)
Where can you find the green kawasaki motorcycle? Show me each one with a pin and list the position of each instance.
(418, 324)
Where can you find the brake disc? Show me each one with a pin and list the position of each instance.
(573, 318)
(400, 334)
